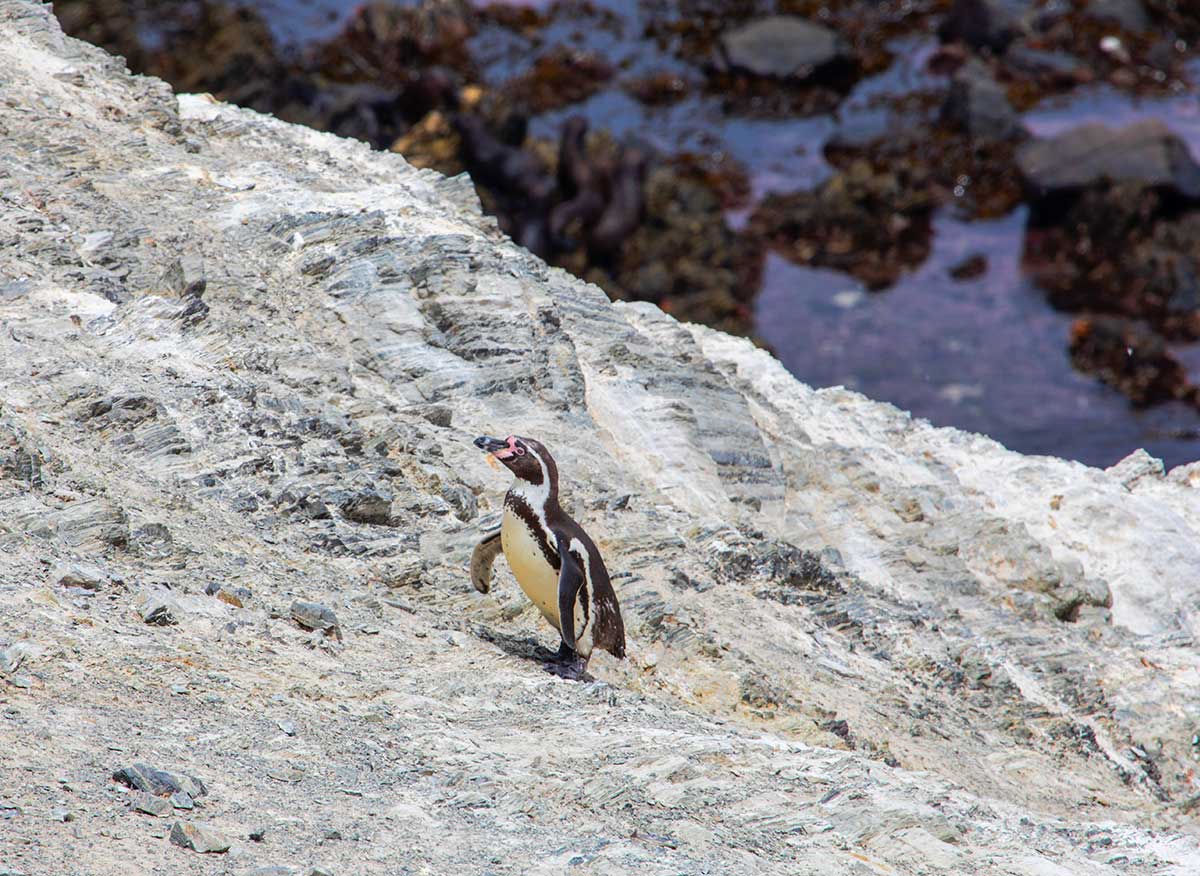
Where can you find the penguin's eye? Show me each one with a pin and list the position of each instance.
(519, 450)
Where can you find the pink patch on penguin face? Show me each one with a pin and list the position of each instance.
(511, 450)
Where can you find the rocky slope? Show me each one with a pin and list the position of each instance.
(240, 367)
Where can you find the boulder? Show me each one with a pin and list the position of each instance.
(782, 46)
(1145, 153)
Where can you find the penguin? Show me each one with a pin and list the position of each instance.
(557, 565)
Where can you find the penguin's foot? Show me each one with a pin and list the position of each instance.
(567, 664)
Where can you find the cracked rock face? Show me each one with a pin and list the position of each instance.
(240, 357)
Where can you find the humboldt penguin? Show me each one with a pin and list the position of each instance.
(553, 559)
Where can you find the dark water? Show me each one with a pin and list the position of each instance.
(987, 355)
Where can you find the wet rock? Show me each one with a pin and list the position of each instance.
(560, 78)
(1145, 153)
(1129, 14)
(159, 783)
(978, 104)
(973, 266)
(871, 224)
(199, 837)
(79, 575)
(782, 46)
(159, 807)
(1057, 66)
(368, 506)
(1130, 358)
(986, 24)
(317, 617)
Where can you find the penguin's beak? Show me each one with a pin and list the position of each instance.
(488, 444)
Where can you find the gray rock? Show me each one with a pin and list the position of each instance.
(182, 800)
(79, 575)
(1146, 153)
(1040, 62)
(199, 837)
(782, 46)
(160, 783)
(158, 609)
(1136, 467)
(142, 801)
(977, 104)
(1129, 14)
(368, 506)
(314, 616)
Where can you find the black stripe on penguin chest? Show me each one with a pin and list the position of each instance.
(526, 515)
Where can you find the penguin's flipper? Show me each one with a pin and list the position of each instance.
(570, 580)
(481, 561)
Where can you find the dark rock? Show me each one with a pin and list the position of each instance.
(198, 837)
(1131, 359)
(782, 46)
(160, 783)
(974, 265)
(1129, 14)
(977, 104)
(159, 610)
(368, 506)
(182, 800)
(1146, 153)
(258, 833)
(141, 801)
(874, 223)
(986, 24)
(313, 616)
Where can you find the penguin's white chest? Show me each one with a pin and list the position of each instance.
(533, 572)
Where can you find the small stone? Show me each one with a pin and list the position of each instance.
(319, 871)
(333, 834)
(198, 837)
(182, 800)
(285, 773)
(62, 814)
(288, 727)
(258, 833)
(273, 870)
(143, 777)
(314, 616)
(158, 609)
(140, 801)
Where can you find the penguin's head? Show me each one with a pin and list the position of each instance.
(527, 459)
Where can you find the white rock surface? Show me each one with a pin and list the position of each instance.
(858, 644)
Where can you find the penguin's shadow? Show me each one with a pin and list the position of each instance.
(525, 648)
